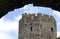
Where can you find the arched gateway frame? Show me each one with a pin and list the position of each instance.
(9, 5)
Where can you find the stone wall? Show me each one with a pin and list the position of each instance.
(38, 26)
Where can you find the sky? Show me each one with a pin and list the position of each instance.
(9, 24)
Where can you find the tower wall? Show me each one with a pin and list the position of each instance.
(38, 26)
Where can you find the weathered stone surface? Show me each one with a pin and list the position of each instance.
(9, 5)
(37, 27)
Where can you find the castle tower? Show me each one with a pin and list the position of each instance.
(37, 27)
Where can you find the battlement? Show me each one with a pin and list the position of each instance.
(25, 14)
(38, 15)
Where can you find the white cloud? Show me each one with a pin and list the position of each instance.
(58, 34)
(36, 9)
(32, 10)
(4, 36)
(56, 15)
(26, 7)
(8, 26)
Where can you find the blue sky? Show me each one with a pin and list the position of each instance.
(9, 23)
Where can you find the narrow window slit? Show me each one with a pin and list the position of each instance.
(52, 29)
(31, 28)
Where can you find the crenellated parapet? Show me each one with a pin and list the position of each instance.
(39, 16)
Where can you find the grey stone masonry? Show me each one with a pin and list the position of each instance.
(38, 26)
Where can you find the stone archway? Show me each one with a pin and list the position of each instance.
(9, 5)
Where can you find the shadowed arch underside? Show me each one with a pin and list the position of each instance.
(10, 5)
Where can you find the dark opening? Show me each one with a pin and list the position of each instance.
(31, 28)
(52, 29)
